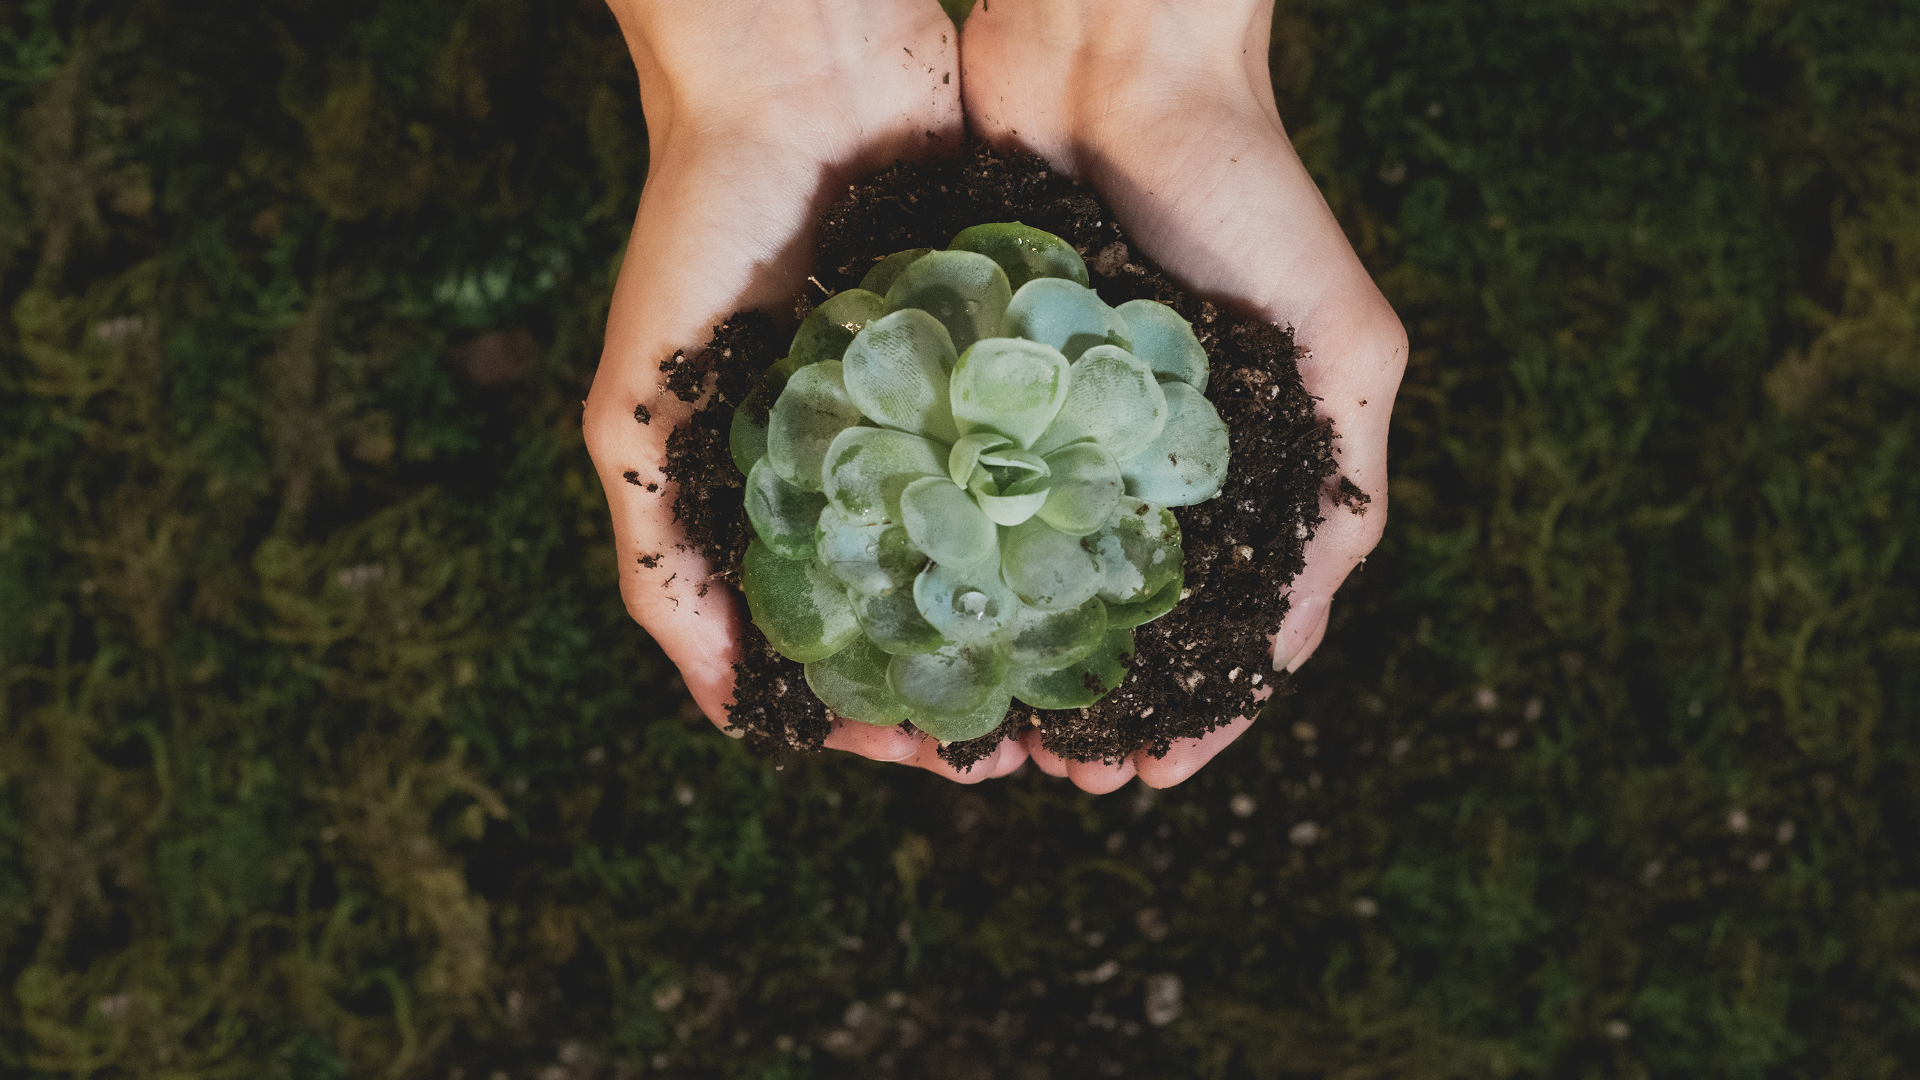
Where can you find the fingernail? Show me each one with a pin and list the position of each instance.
(1313, 638)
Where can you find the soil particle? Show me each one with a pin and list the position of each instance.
(642, 415)
(1350, 496)
(1242, 547)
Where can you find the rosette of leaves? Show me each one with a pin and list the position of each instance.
(959, 478)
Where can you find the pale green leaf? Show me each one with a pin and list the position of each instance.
(853, 683)
(1023, 252)
(1113, 400)
(950, 681)
(897, 372)
(1019, 502)
(974, 724)
(1009, 387)
(1188, 462)
(811, 411)
(747, 436)
(868, 557)
(1137, 550)
(1047, 568)
(799, 606)
(966, 454)
(1055, 639)
(867, 468)
(827, 330)
(1166, 342)
(785, 518)
(1081, 684)
(1086, 488)
(967, 605)
(892, 621)
(1070, 317)
(881, 277)
(1149, 609)
(967, 292)
(943, 521)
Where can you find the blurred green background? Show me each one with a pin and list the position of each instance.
(327, 750)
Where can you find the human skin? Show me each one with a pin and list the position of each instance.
(1166, 108)
(758, 112)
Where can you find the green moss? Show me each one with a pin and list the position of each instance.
(327, 748)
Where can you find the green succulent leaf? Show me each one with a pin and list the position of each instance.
(1023, 252)
(966, 291)
(1113, 400)
(853, 683)
(868, 557)
(960, 491)
(951, 681)
(897, 372)
(1081, 684)
(799, 606)
(812, 410)
(1055, 639)
(786, 518)
(867, 469)
(1145, 611)
(943, 521)
(969, 725)
(1012, 504)
(882, 276)
(1009, 387)
(892, 621)
(969, 606)
(1188, 462)
(747, 437)
(1047, 568)
(966, 454)
(1138, 551)
(1166, 342)
(1068, 316)
(1086, 486)
(828, 329)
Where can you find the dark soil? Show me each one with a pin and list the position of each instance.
(1195, 668)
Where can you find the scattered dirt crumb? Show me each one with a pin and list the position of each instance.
(1350, 496)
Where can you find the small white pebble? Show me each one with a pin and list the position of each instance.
(1243, 552)
(1305, 833)
(1256, 679)
(1146, 712)
(1366, 907)
(1243, 805)
(1232, 675)
(1737, 821)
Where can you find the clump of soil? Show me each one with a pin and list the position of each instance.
(1194, 669)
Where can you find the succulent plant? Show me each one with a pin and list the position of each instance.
(959, 478)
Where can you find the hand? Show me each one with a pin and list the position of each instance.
(1166, 108)
(758, 111)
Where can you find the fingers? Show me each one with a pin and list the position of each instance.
(1187, 755)
(1093, 777)
(868, 741)
(892, 744)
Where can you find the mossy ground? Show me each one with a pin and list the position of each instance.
(327, 750)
